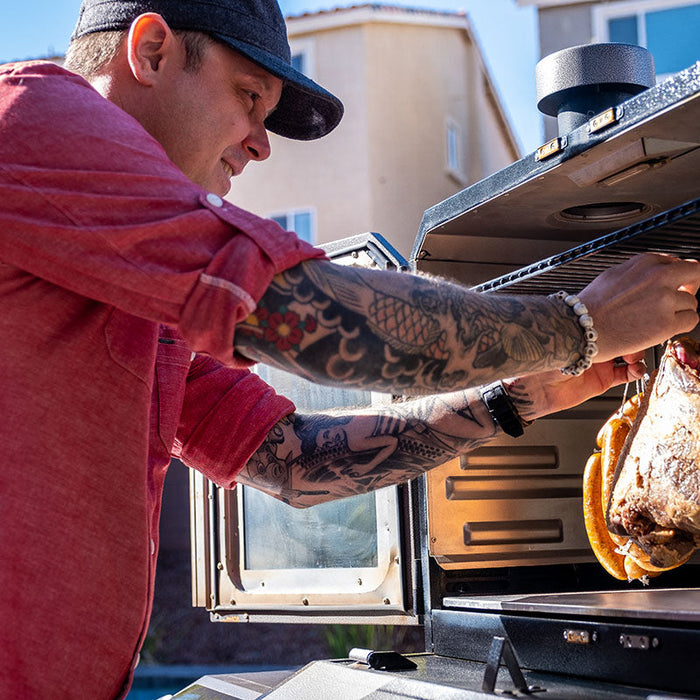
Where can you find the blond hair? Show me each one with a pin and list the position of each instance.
(89, 54)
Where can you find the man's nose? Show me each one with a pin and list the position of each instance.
(257, 144)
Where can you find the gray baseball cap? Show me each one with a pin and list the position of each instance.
(254, 28)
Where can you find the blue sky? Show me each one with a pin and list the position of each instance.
(507, 35)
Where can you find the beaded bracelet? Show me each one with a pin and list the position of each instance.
(589, 334)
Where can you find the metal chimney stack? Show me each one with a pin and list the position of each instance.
(577, 83)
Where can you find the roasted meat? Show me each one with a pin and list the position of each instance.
(655, 495)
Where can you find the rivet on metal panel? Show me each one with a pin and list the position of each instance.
(304, 601)
(577, 636)
(604, 119)
(387, 601)
(219, 566)
(550, 148)
(635, 641)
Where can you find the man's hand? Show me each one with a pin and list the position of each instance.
(538, 395)
(642, 302)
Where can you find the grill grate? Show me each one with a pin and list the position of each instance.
(676, 231)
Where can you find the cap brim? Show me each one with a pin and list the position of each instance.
(306, 111)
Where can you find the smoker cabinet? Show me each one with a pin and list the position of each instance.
(489, 551)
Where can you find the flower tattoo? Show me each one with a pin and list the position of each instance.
(284, 328)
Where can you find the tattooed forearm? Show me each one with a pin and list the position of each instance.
(308, 459)
(402, 333)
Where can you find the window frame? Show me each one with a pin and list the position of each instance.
(456, 170)
(307, 50)
(602, 14)
(295, 211)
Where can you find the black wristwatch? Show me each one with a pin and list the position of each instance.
(502, 410)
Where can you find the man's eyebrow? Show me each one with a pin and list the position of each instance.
(263, 83)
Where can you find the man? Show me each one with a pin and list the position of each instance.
(134, 298)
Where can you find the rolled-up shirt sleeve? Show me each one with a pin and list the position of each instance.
(221, 402)
(92, 203)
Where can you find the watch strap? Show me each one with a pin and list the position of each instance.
(500, 407)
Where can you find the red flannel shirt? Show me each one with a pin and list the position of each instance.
(114, 270)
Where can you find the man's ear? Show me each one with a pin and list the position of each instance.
(150, 44)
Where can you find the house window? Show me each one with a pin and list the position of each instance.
(454, 150)
(669, 31)
(298, 61)
(303, 56)
(301, 221)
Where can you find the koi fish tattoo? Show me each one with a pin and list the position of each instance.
(399, 332)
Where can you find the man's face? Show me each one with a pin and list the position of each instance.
(211, 121)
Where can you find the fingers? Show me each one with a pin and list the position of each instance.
(642, 302)
(633, 358)
(689, 288)
(635, 371)
(684, 272)
(688, 266)
(686, 321)
(621, 372)
(685, 300)
(682, 276)
(629, 368)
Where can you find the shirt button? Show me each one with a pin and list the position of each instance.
(215, 200)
